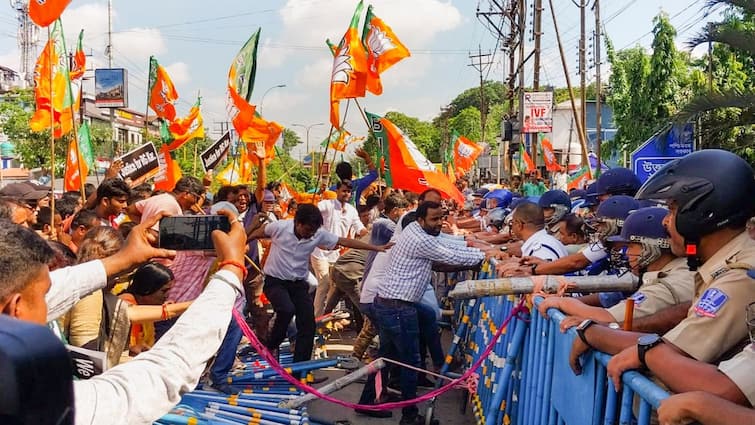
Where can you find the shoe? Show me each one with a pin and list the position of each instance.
(223, 388)
(381, 414)
(412, 420)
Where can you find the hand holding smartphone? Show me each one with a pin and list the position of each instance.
(192, 232)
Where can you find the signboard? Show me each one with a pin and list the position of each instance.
(212, 156)
(538, 112)
(111, 88)
(661, 148)
(140, 162)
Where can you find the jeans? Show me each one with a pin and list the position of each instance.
(226, 354)
(291, 298)
(398, 328)
(429, 335)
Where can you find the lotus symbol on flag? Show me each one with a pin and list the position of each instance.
(465, 150)
(341, 66)
(379, 42)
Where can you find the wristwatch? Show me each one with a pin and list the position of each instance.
(644, 344)
(582, 327)
(533, 268)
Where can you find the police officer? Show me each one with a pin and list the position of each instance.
(527, 225)
(555, 204)
(708, 210)
(616, 181)
(666, 280)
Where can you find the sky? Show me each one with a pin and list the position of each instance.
(197, 39)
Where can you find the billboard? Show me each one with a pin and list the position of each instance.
(538, 112)
(661, 148)
(111, 88)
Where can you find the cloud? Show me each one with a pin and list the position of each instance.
(179, 73)
(315, 74)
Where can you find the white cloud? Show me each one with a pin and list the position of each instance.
(179, 73)
(315, 74)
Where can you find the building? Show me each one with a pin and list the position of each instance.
(9, 79)
(128, 125)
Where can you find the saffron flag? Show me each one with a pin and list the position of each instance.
(406, 167)
(45, 12)
(349, 74)
(465, 153)
(262, 131)
(384, 49)
(240, 84)
(76, 168)
(52, 91)
(79, 59)
(579, 179)
(244, 68)
(184, 129)
(170, 171)
(161, 94)
(549, 157)
(525, 161)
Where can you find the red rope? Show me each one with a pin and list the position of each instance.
(265, 353)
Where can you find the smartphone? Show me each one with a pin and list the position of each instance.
(191, 232)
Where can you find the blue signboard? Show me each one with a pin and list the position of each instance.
(663, 147)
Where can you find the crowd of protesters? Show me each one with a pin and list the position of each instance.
(87, 267)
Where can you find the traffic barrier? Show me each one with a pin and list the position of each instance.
(527, 379)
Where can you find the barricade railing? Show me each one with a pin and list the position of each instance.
(527, 379)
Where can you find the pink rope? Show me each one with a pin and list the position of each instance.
(272, 361)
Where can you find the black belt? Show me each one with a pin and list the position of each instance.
(392, 302)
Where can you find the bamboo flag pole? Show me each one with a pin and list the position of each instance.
(577, 121)
(322, 161)
(82, 177)
(52, 142)
(146, 108)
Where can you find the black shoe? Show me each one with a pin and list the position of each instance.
(412, 420)
(381, 414)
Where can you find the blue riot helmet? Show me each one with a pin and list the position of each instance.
(617, 181)
(645, 227)
(497, 216)
(577, 194)
(502, 197)
(610, 216)
(591, 196)
(559, 202)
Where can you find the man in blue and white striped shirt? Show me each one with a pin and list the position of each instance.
(416, 249)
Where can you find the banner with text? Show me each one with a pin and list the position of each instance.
(538, 112)
(140, 162)
(212, 156)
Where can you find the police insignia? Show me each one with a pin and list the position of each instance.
(710, 302)
(638, 298)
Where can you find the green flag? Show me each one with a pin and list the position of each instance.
(165, 134)
(85, 145)
(244, 68)
(381, 137)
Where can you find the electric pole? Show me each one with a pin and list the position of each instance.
(582, 65)
(598, 91)
(481, 68)
(28, 40)
(109, 53)
(537, 29)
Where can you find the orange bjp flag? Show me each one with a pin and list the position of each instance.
(170, 172)
(465, 154)
(549, 157)
(266, 132)
(162, 93)
(73, 175)
(45, 12)
(384, 49)
(349, 74)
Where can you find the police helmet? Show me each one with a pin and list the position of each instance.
(645, 227)
(612, 212)
(497, 216)
(502, 196)
(712, 189)
(617, 181)
(559, 201)
(591, 196)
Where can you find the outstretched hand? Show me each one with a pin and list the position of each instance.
(231, 246)
(139, 248)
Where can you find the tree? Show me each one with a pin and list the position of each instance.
(467, 123)
(290, 140)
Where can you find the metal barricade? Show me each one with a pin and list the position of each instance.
(527, 378)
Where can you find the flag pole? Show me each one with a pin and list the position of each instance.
(52, 142)
(370, 131)
(322, 161)
(82, 177)
(146, 108)
(335, 151)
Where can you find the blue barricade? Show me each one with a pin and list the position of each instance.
(526, 379)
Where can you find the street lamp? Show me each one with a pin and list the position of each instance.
(307, 127)
(262, 102)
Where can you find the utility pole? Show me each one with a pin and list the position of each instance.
(481, 68)
(521, 26)
(28, 40)
(598, 87)
(582, 65)
(537, 29)
(109, 53)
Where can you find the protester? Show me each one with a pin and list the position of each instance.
(112, 199)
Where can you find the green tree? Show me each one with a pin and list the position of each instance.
(467, 123)
(290, 140)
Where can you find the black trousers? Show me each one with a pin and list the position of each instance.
(291, 298)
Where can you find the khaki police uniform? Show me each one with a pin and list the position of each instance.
(715, 323)
(741, 370)
(673, 284)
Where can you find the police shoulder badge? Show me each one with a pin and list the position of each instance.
(638, 298)
(710, 302)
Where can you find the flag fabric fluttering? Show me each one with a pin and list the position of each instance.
(52, 99)
(184, 129)
(349, 74)
(384, 49)
(525, 161)
(79, 59)
(161, 93)
(406, 167)
(579, 179)
(170, 172)
(76, 168)
(262, 131)
(85, 145)
(244, 68)
(549, 156)
(465, 153)
(45, 12)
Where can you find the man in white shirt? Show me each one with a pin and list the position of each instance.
(528, 225)
(341, 219)
(286, 272)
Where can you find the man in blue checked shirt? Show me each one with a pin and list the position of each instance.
(416, 249)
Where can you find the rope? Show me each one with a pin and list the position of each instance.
(265, 353)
